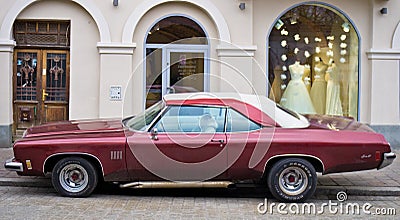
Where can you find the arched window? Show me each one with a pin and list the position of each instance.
(176, 58)
(314, 61)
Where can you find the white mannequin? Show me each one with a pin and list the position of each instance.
(296, 95)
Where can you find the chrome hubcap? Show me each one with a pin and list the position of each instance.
(293, 181)
(73, 178)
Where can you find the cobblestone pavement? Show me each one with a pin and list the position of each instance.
(44, 203)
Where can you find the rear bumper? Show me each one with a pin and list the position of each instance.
(388, 159)
(12, 165)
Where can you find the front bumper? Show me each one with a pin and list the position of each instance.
(13, 165)
(388, 159)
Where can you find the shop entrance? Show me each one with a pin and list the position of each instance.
(180, 70)
(41, 87)
(176, 58)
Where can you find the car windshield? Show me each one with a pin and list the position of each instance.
(142, 121)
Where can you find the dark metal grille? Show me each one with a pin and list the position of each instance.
(26, 76)
(42, 33)
(56, 79)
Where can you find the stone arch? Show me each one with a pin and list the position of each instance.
(89, 6)
(396, 38)
(206, 5)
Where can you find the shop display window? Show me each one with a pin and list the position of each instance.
(314, 61)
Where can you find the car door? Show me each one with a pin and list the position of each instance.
(187, 143)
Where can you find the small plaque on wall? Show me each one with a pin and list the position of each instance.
(116, 93)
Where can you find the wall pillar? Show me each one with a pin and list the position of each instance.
(385, 93)
(6, 97)
(113, 57)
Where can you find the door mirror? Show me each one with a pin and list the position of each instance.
(154, 133)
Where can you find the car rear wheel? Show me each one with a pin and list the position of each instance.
(292, 180)
(74, 177)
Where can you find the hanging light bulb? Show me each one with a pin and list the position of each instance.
(346, 27)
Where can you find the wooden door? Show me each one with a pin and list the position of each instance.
(41, 87)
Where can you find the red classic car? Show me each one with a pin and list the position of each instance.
(201, 140)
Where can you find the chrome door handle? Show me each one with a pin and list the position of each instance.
(221, 142)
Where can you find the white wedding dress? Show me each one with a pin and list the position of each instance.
(296, 96)
(318, 89)
(333, 102)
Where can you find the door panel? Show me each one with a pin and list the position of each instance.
(41, 87)
(56, 113)
(177, 157)
(55, 86)
(186, 71)
(26, 93)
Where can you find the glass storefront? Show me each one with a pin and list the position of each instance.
(313, 61)
(176, 51)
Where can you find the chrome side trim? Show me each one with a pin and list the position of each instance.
(74, 153)
(13, 166)
(169, 184)
(388, 159)
(297, 155)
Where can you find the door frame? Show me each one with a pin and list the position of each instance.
(41, 73)
(166, 50)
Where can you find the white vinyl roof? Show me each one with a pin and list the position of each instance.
(283, 118)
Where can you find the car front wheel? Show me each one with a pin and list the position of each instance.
(292, 180)
(74, 177)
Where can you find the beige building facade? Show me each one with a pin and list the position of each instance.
(81, 59)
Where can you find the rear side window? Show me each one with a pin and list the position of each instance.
(236, 122)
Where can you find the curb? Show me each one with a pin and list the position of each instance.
(26, 182)
(321, 190)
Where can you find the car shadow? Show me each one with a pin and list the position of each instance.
(237, 192)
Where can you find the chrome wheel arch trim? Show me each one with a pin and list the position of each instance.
(74, 154)
(296, 155)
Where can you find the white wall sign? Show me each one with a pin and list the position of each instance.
(116, 93)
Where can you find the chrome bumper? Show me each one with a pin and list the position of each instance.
(13, 165)
(388, 159)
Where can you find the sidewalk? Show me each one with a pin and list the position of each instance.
(385, 182)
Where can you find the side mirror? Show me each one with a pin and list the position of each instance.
(154, 133)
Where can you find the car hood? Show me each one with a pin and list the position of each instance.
(336, 123)
(75, 127)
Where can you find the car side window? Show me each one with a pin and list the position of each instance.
(236, 122)
(188, 119)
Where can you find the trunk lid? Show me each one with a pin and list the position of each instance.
(337, 123)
